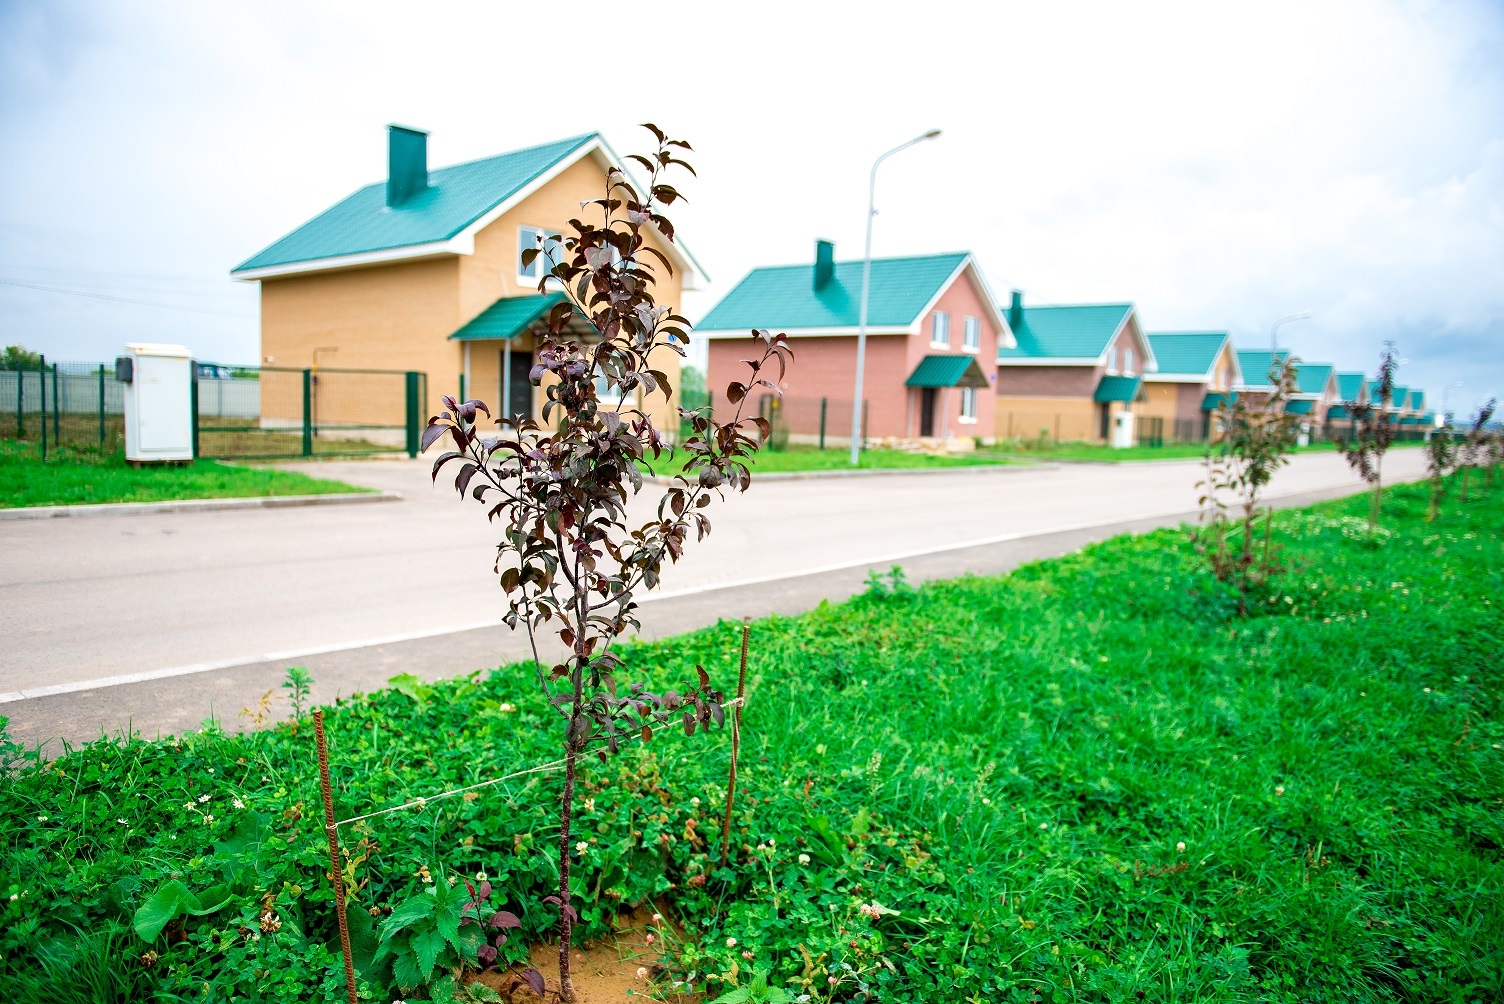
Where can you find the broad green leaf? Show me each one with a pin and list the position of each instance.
(406, 914)
(426, 947)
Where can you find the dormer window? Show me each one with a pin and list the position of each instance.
(940, 329)
(971, 335)
(1127, 362)
(535, 237)
(1112, 360)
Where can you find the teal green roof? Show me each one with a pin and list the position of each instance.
(1312, 378)
(1186, 353)
(1399, 399)
(947, 371)
(1418, 400)
(1299, 406)
(508, 317)
(1117, 388)
(1212, 402)
(1256, 365)
(455, 198)
(784, 296)
(1074, 332)
(1350, 385)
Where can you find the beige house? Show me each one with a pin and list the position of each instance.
(1197, 371)
(424, 272)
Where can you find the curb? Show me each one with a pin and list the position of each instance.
(193, 505)
(1015, 467)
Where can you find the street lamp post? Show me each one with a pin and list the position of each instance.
(1446, 396)
(861, 327)
(1274, 328)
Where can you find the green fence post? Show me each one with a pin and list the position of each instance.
(57, 410)
(20, 401)
(42, 383)
(192, 402)
(308, 413)
(413, 399)
(822, 423)
(463, 399)
(101, 413)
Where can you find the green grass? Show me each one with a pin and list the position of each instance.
(794, 458)
(72, 476)
(1101, 453)
(1007, 767)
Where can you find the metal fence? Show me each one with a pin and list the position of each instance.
(276, 412)
(811, 421)
(239, 412)
(53, 404)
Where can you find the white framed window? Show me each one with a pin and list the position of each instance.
(968, 404)
(1127, 362)
(537, 237)
(1112, 360)
(940, 329)
(604, 392)
(971, 335)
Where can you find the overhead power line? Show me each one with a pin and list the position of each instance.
(126, 299)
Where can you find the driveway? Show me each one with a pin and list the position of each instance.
(201, 610)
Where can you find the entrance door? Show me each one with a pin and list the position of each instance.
(1104, 418)
(521, 400)
(927, 411)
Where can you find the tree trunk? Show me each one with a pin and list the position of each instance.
(1373, 512)
(566, 924)
(1464, 482)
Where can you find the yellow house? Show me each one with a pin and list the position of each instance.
(424, 272)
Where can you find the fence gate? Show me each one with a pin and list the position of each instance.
(248, 412)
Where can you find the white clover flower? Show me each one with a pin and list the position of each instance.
(507, 708)
(208, 820)
(581, 847)
(202, 799)
(642, 972)
(238, 804)
(1044, 826)
(730, 942)
(657, 918)
(1180, 847)
(480, 876)
(122, 822)
(695, 801)
(804, 859)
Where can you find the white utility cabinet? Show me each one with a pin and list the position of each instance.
(1122, 430)
(158, 402)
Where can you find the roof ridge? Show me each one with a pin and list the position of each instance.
(1073, 306)
(574, 141)
(858, 261)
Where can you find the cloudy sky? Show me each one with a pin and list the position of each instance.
(1220, 165)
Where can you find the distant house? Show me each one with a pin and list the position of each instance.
(1352, 392)
(1316, 391)
(424, 271)
(1074, 373)
(1197, 370)
(931, 357)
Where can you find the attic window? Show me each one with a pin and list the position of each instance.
(535, 237)
(971, 335)
(1127, 362)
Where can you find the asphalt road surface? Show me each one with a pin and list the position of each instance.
(155, 622)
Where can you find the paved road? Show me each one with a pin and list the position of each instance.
(359, 593)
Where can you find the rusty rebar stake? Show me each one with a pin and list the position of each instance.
(331, 830)
(736, 741)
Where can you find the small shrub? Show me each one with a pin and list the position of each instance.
(1372, 433)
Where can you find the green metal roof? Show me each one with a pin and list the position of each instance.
(1073, 332)
(1186, 353)
(947, 371)
(1299, 406)
(508, 317)
(455, 198)
(1312, 378)
(1350, 385)
(1117, 388)
(1399, 398)
(1214, 401)
(784, 296)
(1418, 400)
(1256, 365)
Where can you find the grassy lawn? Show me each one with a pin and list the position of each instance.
(1106, 454)
(1049, 786)
(794, 458)
(75, 476)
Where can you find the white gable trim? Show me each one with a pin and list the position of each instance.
(1208, 376)
(999, 323)
(1053, 360)
(463, 242)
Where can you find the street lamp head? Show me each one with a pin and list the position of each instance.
(932, 134)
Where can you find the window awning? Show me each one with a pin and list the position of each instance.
(1299, 406)
(1214, 401)
(1338, 411)
(1117, 388)
(508, 317)
(947, 371)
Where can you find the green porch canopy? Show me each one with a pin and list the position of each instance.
(1214, 401)
(1338, 411)
(1299, 406)
(947, 371)
(508, 317)
(1117, 388)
